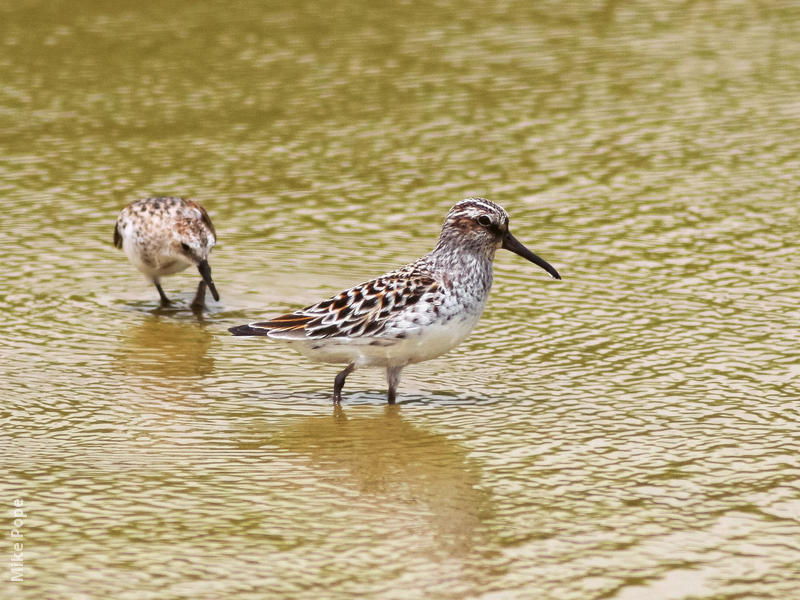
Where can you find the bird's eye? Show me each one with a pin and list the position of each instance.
(185, 246)
(484, 220)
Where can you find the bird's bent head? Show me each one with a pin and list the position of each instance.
(193, 240)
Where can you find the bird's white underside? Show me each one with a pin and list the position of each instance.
(419, 344)
(165, 264)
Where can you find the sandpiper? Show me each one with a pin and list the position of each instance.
(165, 235)
(415, 313)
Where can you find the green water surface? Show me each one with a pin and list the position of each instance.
(630, 432)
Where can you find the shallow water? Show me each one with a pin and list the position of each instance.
(629, 432)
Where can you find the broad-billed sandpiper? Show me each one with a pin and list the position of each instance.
(165, 235)
(415, 313)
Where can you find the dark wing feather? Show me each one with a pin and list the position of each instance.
(361, 311)
(117, 236)
(247, 330)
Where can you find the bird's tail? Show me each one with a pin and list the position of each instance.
(248, 330)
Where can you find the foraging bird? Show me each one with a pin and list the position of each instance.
(164, 235)
(413, 314)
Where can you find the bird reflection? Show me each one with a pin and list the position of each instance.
(162, 348)
(399, 464)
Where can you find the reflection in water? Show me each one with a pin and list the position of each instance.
(167, 363)
(400, 467)
(161, 348)
(635, 426)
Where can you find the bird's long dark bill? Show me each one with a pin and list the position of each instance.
(513, 244)
(205, 273)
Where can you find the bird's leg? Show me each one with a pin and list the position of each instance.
(393, 379)
(199, 298)
(164, 299)
(338, 383)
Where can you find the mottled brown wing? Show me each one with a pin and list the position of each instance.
(361, 311)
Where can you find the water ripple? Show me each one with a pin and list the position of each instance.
(627, 432)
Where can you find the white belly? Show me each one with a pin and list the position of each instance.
(425, 343)
(153, 263)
